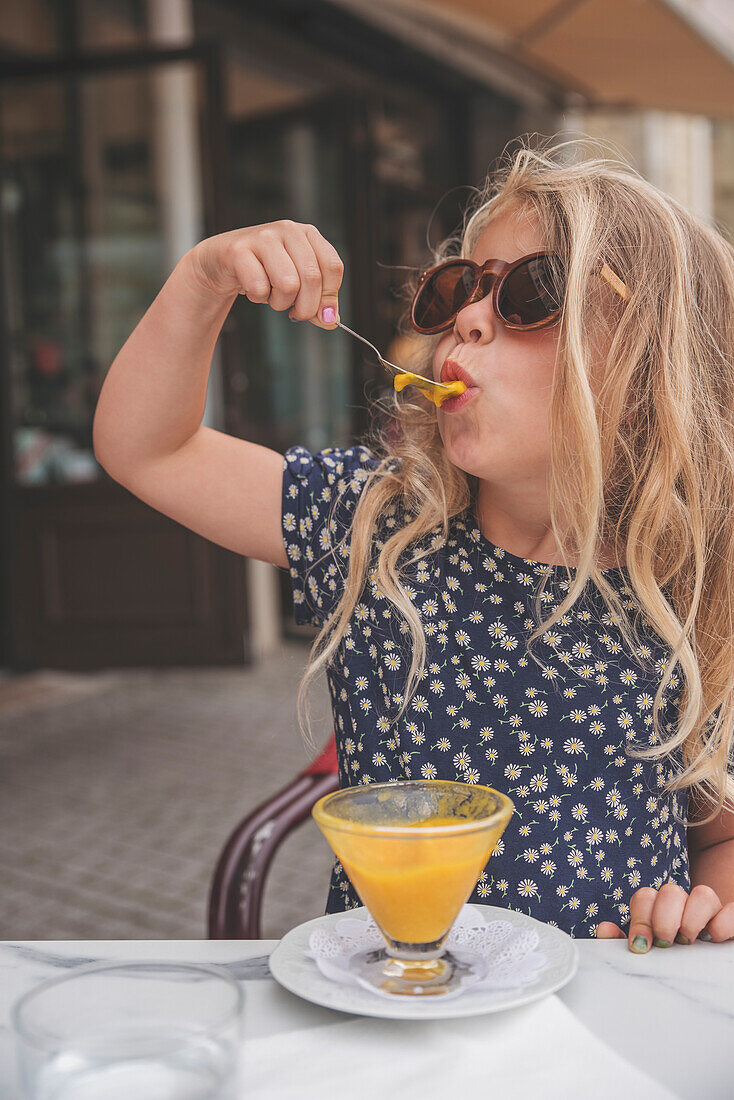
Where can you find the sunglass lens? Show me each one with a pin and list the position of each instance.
(443, 295)
(531, 293)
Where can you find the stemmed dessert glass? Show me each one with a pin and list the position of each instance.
(414, 850)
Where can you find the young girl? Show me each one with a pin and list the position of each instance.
(532, 586)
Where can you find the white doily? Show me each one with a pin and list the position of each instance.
(508, 954)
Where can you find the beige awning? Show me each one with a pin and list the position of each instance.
(665, 54)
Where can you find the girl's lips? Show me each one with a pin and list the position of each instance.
(451, 371)
(453, 404)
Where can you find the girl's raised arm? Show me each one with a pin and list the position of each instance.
(148, 433)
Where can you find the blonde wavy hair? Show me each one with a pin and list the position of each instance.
(642, 449)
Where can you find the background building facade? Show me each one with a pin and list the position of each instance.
(129, 130)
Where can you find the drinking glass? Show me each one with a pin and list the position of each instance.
(413, 850)
(133, 1030)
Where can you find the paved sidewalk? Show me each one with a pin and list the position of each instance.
(118, 790)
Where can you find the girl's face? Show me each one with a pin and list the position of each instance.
(501, 435)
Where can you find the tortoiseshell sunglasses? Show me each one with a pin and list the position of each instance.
(526, 294)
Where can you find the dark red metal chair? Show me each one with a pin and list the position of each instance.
(235, 899)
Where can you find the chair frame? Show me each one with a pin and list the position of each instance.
(236, 895)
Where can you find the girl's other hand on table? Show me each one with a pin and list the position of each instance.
(660, 917)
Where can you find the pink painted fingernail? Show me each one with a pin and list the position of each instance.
(328, 315)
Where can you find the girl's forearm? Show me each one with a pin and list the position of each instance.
(714, 867)
(154, 394)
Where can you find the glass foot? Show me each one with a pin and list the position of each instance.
(450, 972)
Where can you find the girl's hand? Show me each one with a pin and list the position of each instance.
(661, 916)
(285, 264)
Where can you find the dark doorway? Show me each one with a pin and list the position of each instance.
(92, 577)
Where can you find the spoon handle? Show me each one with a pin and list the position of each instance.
(369, 345)
(387, 363)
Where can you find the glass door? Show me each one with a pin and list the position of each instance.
(104, 163)
(92, 218)
(294, 381)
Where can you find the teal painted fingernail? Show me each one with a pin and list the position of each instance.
(705, 936)
(661, 943)
(680, 938)
(640, 945)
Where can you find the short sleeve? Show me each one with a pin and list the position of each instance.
(320, 495)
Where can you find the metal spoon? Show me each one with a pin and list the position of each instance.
(433, 390)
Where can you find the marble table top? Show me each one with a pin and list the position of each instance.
(670, 1013)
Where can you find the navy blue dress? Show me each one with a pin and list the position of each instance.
(591, 824)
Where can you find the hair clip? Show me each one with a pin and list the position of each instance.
(615, 282)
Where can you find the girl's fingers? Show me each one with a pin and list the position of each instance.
(606, 930)
(721, 926)
(332, 273)
(280, 269)
(306, 261)
(667, 913)
(664, 915)
(640, 932)
(703, 904)
(253, 278)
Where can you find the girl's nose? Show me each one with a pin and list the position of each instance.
(475, 323)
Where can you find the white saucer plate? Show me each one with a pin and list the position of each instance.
(300, 975)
